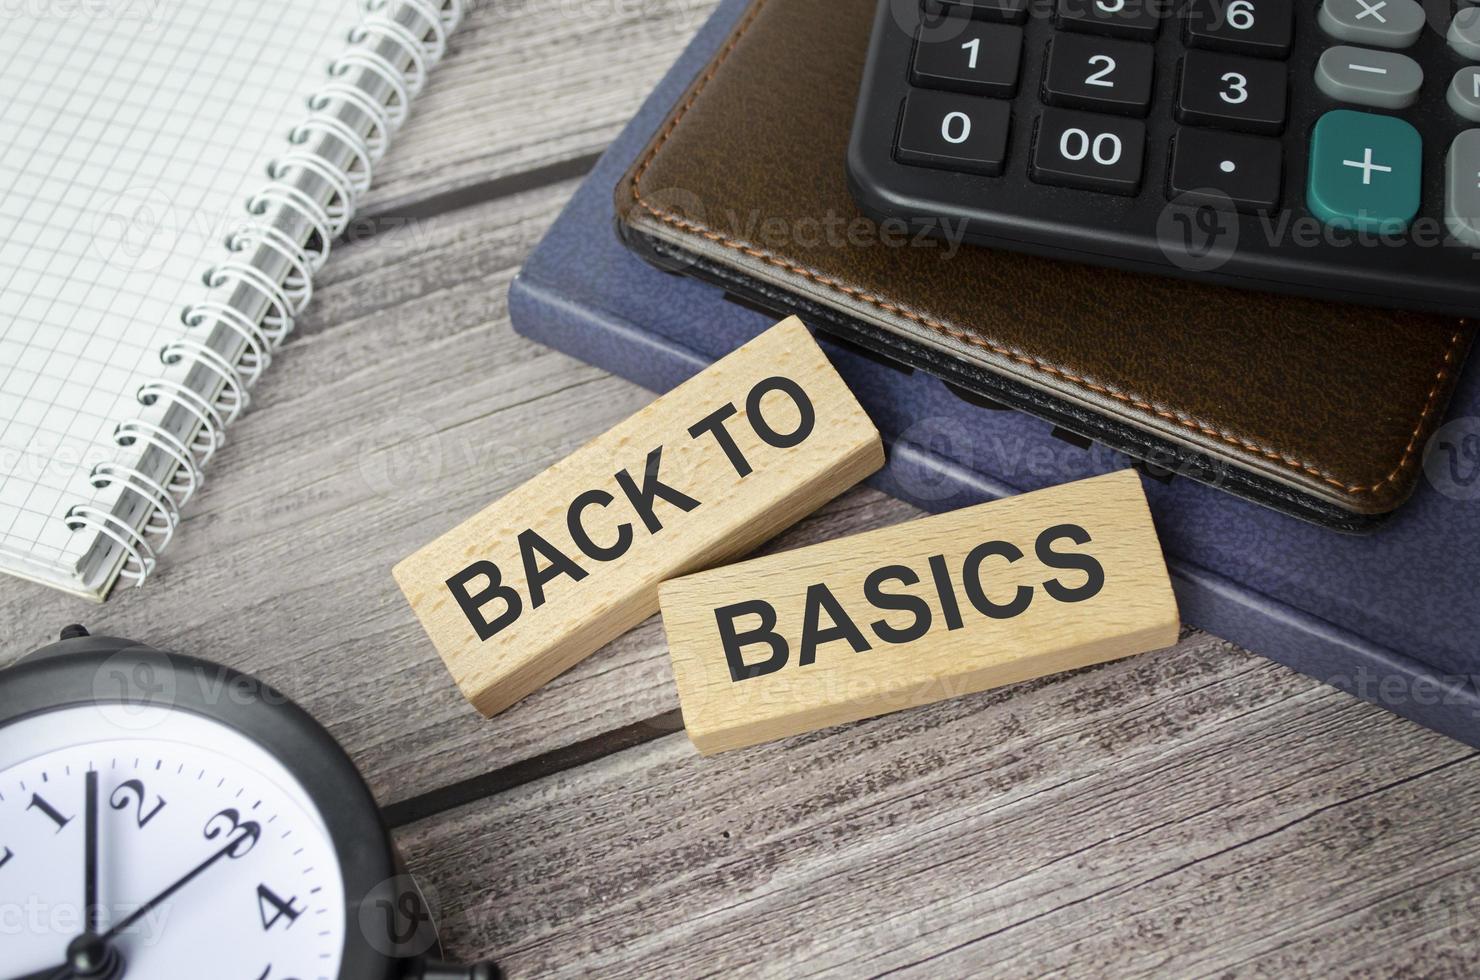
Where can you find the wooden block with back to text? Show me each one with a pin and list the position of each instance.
(572, 559)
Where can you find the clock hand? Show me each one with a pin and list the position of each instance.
(190, 876)
(90, 907)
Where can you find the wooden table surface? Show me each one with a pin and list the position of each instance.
(1191, 812)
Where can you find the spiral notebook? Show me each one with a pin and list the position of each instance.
(173, 175)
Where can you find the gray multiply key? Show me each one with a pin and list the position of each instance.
(1462, 188)
(1382, 79)
(1381, 23)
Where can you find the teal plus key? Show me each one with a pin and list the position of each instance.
(1365, 171)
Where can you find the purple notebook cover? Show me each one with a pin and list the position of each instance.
(1392, 616)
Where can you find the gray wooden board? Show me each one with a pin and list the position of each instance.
(1192, 811)
(1184, 813)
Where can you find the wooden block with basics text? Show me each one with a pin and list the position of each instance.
(572, 559)
(915, 613)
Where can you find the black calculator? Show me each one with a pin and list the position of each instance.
(1323, 147)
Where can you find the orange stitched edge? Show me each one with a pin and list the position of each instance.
(1187, 421)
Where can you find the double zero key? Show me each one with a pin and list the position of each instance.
(1089, 150)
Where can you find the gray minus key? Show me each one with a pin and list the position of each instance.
(1381, 79)
(1462, 188)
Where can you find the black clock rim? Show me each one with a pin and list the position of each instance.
(62, 676)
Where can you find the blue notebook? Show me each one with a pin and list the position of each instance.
(1392, 616)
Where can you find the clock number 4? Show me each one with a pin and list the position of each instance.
(119, 800)
(281, 908)
(37, 803)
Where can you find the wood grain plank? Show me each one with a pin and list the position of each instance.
(402, 405)
(1192, 812)
(527, 85)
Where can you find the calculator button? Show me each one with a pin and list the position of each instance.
(1089, 150)
(1464, 33)
(1377, 78)
(1462, 193)
(1364, 171)
(1231, 92)
(1008, 11)
(1464, 93)
(1099, 73)
(1380, 23)
(1259, 27)
(954, 132)
(981, 59)
(1137, 20)
(1244, 169)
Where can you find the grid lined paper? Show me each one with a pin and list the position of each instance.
(134, 131)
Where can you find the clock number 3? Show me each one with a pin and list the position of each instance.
(120, 801)
(281, 908)
(247, 832)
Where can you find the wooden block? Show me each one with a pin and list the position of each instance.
(919, 612)
(572, 559)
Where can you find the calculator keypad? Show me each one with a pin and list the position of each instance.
(1094, 114)
(1263, 28)
(1464, 93)
(1089, 150)
(1381, 79)
(1136, 20)
(954, 132)
(1464, 33)
(1462, 175)
(981, 58)
(1089, 72)
(1365, 171)
(1213, 167)
(1378, 23)
(1233, 92)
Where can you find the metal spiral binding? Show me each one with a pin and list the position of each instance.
(284, 297)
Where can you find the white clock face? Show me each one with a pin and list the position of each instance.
(210, 858)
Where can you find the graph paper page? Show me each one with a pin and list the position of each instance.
(134, 131)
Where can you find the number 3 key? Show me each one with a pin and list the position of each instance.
(1230, 92)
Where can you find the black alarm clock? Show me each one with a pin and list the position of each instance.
(166, 818)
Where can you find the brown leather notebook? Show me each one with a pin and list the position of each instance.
(1318, 409)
